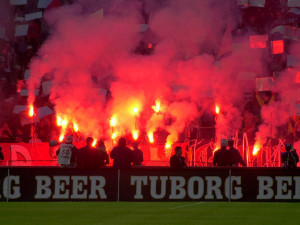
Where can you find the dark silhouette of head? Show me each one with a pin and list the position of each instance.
(223, 143)
(230, 143)
(178, 150)
(89, 141)
(288, 147)
(100, 143)
(135, 144)
(122, 142)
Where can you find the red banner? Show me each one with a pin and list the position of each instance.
(28, 154)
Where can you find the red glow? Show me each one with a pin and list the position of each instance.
(150, 137)
(61, 137)
(168, 145)
(256, 149)
(31, 111)
(156, 107)
(135, 134)
(297, 79)
(150, 45)
(94, 143)
(75, 127)
(217, 109)
(113, 121)
(277, 47)
(114, 136)
(258, 41)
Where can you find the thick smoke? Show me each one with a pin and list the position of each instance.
(86, 52)
(277, 115)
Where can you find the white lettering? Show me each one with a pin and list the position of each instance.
(191, 185)
(138, 181)
(11, 191)
(213, 185)
(177, 190)
(60, 191)
(297, 187)
(282, 183)
(97, 184)
(229, 184)
(42, 187)
(78, 182)
(153, 186)
(264, 187)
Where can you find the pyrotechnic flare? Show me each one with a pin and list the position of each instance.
(217, 109)
(75, 127)
(135, 110)
(61, 137)
(94, 143)
(168, 145)
(114, 136)
(135, 134)
(156, 107)
(61, 122)
(256, 149)
(113, 121)
(150, 137)
(31, 111)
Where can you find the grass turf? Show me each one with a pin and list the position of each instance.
(156, 213)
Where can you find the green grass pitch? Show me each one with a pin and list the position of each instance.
(149, 213)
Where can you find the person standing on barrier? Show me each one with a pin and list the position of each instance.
(222, 156)
(235, 155)
(67, 153)
(137, 154)
(121, 155)
(177, 161)
(289, 158)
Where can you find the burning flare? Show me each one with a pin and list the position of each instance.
(61, 137)
(135, 134)
(113, 121)
(114, 136)
(156, 107)
(60, 122)
(150, 137)
(94, 143)
(256, 149)
(135, 110)
(31, 111)
(75, 127)
(217, 109)
(168, 145)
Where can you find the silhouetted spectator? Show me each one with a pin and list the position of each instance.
(236, 157)
(222, 155)
(137, 154)
(289, 158)
(177, 161)
(102, 155)
(83, 156)
(121, 155)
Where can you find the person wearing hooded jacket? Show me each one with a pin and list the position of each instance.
(67, 153)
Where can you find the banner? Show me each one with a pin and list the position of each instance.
(149, 184)
(28, 154)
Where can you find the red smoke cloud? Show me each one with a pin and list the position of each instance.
(182, 71)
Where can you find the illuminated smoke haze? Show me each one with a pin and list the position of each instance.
(86, 52)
